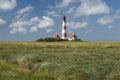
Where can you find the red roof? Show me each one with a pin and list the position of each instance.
(56, 36)
(72, 36)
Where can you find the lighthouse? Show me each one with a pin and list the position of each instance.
(64, 35)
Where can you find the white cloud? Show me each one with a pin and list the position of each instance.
(35, 19)
(18, 29)
(43, 23)
(52, 13)
(25, 10)
(64, 3)
(80, 8)
(46, 22)
(76, 25)
(18, 26)
(6, 5)
(32, 25)
(2, 21)
(91, 7)
(49, 30)
(107, 19)
(71, 10)
(33, 29)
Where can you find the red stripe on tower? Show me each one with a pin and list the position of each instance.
(64, 34)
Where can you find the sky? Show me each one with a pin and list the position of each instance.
(90, 20)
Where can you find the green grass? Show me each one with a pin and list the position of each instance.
(59, 60)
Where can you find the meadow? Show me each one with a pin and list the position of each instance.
(60, 60)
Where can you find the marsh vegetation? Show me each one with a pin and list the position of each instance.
(59, 61)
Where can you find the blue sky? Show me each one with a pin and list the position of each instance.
(90, 20)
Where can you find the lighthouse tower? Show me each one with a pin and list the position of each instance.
(64, 35)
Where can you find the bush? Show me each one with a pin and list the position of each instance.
(50, 40)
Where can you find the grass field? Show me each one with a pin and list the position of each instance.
(59, 61)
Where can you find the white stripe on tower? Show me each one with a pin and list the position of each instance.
(64, 35)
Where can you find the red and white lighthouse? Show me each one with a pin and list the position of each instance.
(64, 35)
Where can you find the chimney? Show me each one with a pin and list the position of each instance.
(64, 35)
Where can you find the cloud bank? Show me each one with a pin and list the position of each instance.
(32, 25)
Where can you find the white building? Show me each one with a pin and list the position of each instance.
(72, 37)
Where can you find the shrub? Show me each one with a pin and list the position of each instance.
(50, 40)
